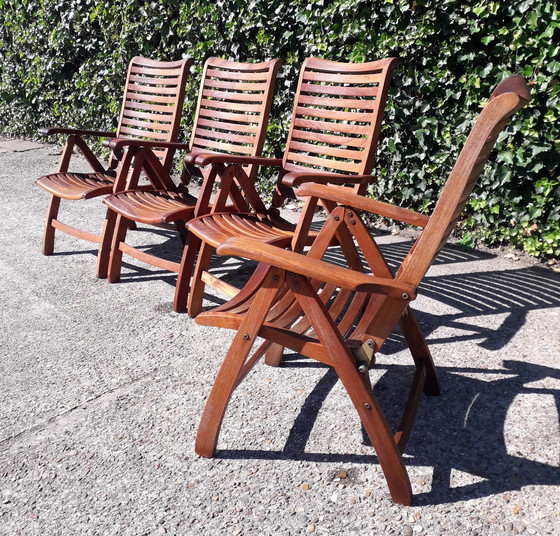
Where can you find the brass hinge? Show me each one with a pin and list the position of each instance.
(365, 356)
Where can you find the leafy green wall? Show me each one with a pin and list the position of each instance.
(63, 62)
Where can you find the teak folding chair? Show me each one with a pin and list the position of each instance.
(231, 117)
(335, 128)
(341, 316)
(151, 110)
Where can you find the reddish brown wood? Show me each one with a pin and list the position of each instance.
(333, 137)
(151, 109)
(335, 313)
(231, 119)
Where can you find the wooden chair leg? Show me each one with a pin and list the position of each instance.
(411, 408)
(104, 253)
(115, 260)
(420, 351)
(196, 293)
(184, 277)
(231, 371)
(378, 431)
(48, 236)
(358, 386)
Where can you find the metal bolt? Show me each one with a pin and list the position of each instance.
(246, 336)
(336, 218)
(350, 214)
(367, 405)
(275, 278)
(292, 274)
(369, 343)
(296, 284)
(362, 368)
(405, 296)
(352, 221)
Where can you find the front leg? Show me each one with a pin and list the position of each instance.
(231, 371)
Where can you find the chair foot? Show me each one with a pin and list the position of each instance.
(273, 356)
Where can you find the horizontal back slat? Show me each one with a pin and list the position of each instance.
(326, 150)
(149, 98)
(233, 75)
(323, 163)
(229, 117)
(342, 78)
(153, 88)
(240, 107)
(335, 115)
(358, 141)
(234, 96)
(130, 132)
(160, 116)
(327, 126)
(142, 78)
(234, 85)
(218, 126)
(220, 147)
(342, 103)
(237, 138)
(322, 89)
(132, 106)
(156, 72)
(161, 126)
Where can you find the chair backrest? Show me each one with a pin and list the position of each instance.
(337, 115)
(508, 97)
(153, 102)
(233, 108)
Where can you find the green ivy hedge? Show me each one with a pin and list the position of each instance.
(63, 62)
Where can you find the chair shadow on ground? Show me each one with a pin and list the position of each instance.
(462, 429)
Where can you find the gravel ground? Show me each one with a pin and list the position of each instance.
(102, 387)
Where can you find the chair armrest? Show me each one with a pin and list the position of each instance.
(297, 178)
(346, 196)
(117, 144)
(204, 159)
(353, 280)
(50, 131)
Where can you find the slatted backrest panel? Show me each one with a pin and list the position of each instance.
(510, 95)
(233, 107)
(337, 116)
(153, 102)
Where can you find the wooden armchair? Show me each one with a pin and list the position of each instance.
(231, 118)
(336, 124)
(341, 316)
(151, 110)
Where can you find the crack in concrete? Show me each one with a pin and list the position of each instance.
(57, 421)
